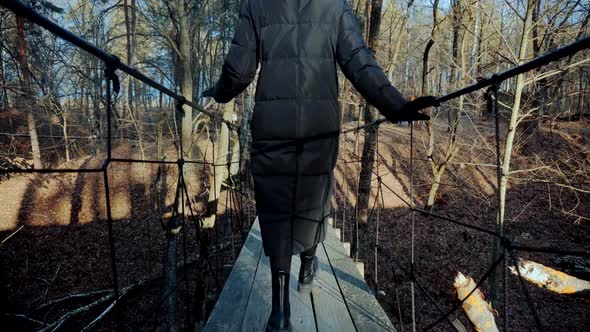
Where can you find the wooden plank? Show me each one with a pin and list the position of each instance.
(330, 309)
(260, 300)
(301, 308)
(245, 302)
(367, 313)
(229, 310)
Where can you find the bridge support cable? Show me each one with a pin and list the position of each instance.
(492, 108)
(378, 201)
(112, 82)
(525, 290)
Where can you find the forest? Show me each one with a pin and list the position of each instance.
(512, 159)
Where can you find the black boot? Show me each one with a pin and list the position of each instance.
(307, 272)
(281, 311)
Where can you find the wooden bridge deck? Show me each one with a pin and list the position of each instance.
(245, 302)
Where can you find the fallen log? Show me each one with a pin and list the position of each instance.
(551, 279)
(478, 310)
(578, 267)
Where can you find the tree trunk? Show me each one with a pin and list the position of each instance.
(27, 88)
(425, 66)
(136, 84)
(128, 33)
(161, 119)
(456, 19)
(475, 47)
(65, 133)
(438, 167)
(3, 91)
(514, 120)
(367, 161)
(235, 157)
(185, 75)
(170, 294)
(437, 175)
(403, 28)
(551, 279)
(425, 91)
(220, 168)
(4, 104)
(370, 140)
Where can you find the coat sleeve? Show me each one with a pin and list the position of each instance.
(239, 67)
(361, 69)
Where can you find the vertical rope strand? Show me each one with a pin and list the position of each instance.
(505, 291)
(240, 202)
(356, 219)
(375, 249)
(527, 295)
(492, 104)
(184, 248)
(111, 82)
(412, 256)
(228, 192)
(213, 206)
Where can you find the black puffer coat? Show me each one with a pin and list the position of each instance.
(298, 44)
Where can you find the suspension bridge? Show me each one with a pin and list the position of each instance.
(342, 300)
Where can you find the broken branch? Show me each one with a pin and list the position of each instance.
(551, 279)
(478, 310)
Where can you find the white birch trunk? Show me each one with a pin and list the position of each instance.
(66, 138)
(478, 310)
(551, 279)
(186, 76)
(235, 157)
(220, 172)
(514, 117)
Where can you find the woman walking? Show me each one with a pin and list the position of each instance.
(298, 44)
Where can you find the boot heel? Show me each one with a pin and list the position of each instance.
(307, 274)
(305, 288)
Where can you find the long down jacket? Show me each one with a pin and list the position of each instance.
(298, 44)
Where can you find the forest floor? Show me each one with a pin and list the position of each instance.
(538, 215)
(56, 243)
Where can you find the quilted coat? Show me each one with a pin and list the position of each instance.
(298, 45)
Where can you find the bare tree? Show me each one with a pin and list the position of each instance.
(28, 94)
(373, 11)
(439, 165)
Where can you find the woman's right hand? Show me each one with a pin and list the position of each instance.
(410, 110)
